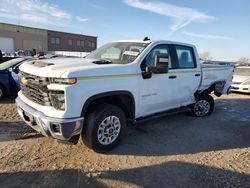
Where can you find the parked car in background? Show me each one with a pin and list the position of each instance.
(4, 59)
(9, 81)
(241, 79)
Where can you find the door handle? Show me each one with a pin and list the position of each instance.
(172, 77)
(197, 75)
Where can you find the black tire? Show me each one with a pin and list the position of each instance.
(2, 92)
(94, 123)
(204, 106)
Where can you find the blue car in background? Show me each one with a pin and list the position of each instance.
(9, 81)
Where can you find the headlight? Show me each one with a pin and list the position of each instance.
(58, 99)
(63, 80)
(246, 82)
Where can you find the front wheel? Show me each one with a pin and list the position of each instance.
(204, 106)
(104, 127)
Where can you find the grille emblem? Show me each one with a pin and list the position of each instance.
(24, 81)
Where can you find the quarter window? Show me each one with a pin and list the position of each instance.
(185, 57)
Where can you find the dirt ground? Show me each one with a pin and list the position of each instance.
(174, 151)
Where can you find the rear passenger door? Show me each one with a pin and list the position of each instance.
(185, 73)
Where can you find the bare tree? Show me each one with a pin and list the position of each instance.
(205, 56)
(243, 61)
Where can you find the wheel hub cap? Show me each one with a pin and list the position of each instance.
(108, 130)
(201, 108)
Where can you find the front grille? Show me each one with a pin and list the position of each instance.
(35, 88)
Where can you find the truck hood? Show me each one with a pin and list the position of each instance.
(71, 67)
(240, 79)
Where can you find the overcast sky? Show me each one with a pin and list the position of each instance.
(221, 27)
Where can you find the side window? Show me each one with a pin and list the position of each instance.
(185, 57)
(160, 50)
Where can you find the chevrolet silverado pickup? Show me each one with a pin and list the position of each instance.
(120, 83)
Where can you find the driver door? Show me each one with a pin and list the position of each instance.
(157, 93)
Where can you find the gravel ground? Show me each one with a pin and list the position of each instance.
(174, 151)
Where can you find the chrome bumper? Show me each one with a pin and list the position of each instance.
(62, 129)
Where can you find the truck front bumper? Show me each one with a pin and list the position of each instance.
(62, 129)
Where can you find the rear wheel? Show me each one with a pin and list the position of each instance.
(204, 106)
(1, 92)
(104, 127)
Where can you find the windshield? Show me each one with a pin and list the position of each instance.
(10, 63)
(118, 52)
(242, 71)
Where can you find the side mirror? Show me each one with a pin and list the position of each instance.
(160, 65)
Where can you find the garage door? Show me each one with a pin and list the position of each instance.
(6, 44)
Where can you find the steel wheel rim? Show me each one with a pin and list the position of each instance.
(109, 130)
(201, 108)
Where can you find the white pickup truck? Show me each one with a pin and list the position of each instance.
(118, 84)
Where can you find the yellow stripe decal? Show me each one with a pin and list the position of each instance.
(108, 76)
(134, 75)
(184, 72)
(213, 70)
